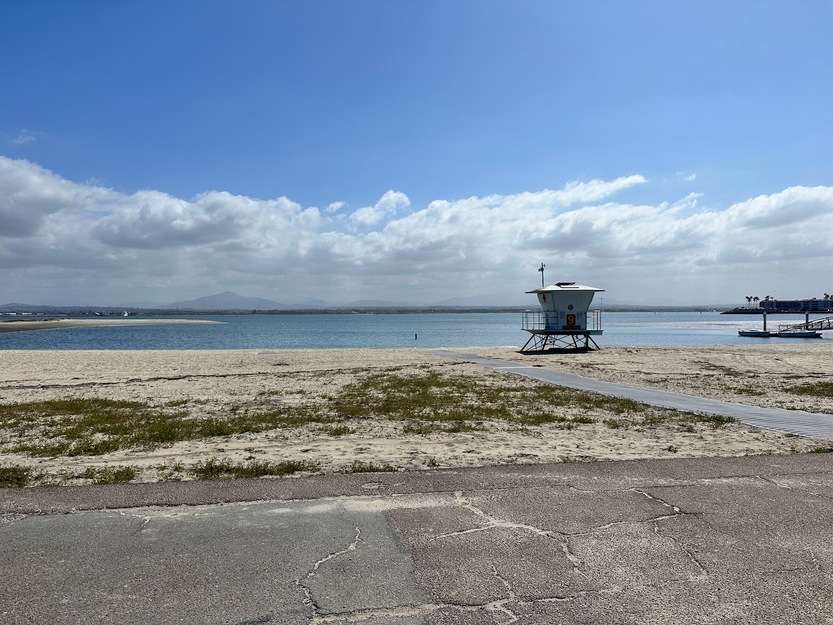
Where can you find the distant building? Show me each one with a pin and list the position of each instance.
(796, 305)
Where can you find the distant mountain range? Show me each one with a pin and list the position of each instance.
(226, 301)
(233, 301)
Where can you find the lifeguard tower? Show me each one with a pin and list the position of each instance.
(565, 319)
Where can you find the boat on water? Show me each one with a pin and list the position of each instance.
(757, 333)
(799, 334)
(762, 333)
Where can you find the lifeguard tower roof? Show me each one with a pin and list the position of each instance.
(565, 286)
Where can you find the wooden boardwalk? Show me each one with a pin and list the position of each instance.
(793, 421)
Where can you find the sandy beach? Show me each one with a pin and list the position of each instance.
(335, 435)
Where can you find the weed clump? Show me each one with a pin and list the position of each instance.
(109, 475)
(369, 467)
(214, 469)
(15, 476)
(813, 389)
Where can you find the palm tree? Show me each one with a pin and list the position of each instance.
(756, 299)
(748, 301)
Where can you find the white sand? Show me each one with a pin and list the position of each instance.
(218, 383)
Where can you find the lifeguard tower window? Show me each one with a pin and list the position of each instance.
(565, 319)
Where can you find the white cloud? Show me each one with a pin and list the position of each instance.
(24, 137)
(89, 243)
(389, 203)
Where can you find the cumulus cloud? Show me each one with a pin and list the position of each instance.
(91, 241)
(30, 193)
(389, 203)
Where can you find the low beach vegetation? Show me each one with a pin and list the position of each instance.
(427, 401)
(15, 476)
(431, 401)
(93, 427)
(337, 430)
(813, 389)
(215, 469)
(370, 467)
(108, 475)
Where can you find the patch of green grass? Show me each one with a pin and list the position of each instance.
(813, 389)
(421, 428)
(749, 390)
(337, 430)
(424, 428)
(820, 450)
(540, 418)
(214, 469)
(613, 424)
(427, 396)
(93, 427)
(583, 420)
(109, 475)
(660, 416)
(369, 467)
(15, 476)
(715, 421)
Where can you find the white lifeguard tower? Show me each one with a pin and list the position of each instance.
(565, 319)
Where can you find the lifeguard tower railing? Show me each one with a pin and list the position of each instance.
(541, 321)
(547, 332)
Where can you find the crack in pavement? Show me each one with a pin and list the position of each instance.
(492, 522)
(500, 604)
(676, 512)
(689, 554)
(675, 509)
(358, 616)
(303, 584)
(772, 481)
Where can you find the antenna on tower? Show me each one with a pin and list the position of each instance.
(541, 269)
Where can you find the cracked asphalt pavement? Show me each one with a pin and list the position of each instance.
(717, 540)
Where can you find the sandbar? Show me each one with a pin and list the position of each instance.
(15, 325)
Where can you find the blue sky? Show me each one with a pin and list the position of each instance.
(668, 152)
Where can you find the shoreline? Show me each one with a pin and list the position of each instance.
(224, 385)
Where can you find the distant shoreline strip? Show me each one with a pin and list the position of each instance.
(22, 326)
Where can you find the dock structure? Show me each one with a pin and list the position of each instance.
(810, 329)
(565, 319)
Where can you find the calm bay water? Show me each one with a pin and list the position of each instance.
(394, 330)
